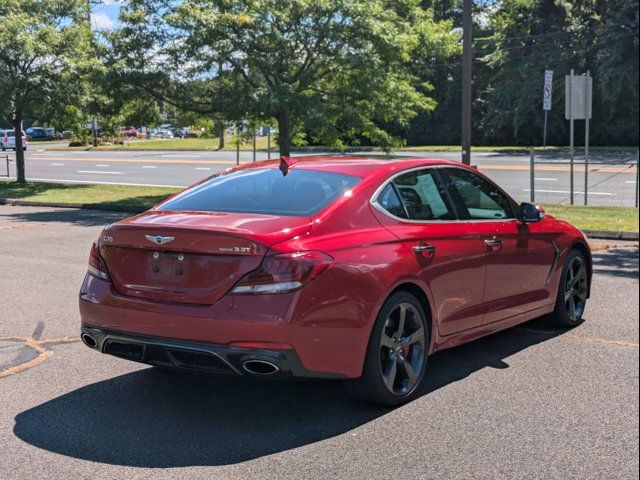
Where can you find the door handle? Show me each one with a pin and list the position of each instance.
(430, 249)
(494, 243)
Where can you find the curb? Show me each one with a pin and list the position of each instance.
(591, 234)
(611, 235)
(84, 206)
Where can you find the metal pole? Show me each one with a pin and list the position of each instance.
(532, 163)
(238, 149)
(254, 145)
(571, 153)
(637, 178)
(269, 143)
(586, 138)
(544, 135)
(466, 81)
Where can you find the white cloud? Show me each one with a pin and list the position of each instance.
(102, 20)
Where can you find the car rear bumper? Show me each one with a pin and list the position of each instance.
(198, 357)
(325, 341)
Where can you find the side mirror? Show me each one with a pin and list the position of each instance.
(530, 213)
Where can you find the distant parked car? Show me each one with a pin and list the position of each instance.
(39, 133)
(161, 134)
(8, 140)
(128, 131)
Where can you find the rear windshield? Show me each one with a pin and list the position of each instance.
(10, 133)
(265, 191)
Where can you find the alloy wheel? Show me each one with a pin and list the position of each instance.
(402, 349)
(575, 290)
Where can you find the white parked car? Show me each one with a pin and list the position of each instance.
(160, 133)
(8, 140)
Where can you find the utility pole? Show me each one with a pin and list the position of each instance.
(467, 55)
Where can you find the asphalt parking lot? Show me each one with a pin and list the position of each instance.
(531, 402)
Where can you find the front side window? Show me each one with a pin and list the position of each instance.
(265, 191)
(422, 196)
(475, 197)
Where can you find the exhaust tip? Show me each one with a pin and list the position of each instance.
(260, 367)
(88, 340)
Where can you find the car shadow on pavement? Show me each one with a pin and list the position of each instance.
(154, 418)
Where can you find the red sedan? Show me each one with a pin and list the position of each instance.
(333, 267)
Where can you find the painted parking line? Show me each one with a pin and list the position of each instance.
(542, 179)
(100, 172)
(103, 165)
(48, 154)
(571, 336)
(568, 192)
(149, 166)
(58, 164)
(203, 168)
(180, 156)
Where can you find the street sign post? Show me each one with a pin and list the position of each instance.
(578, 106)
(546, 102)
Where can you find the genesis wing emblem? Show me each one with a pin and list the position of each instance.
(159, 240)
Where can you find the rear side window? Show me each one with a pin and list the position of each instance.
(477, 198)
(265, 191)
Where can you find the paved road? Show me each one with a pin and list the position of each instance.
(531, 402)
(610, 184)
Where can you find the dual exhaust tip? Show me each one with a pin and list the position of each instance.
(260, 367)
(254, 367)
(89, 341)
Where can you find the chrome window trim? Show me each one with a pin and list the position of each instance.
(375, 204)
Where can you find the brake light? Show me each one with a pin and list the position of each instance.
(283, 273)
(97, 268)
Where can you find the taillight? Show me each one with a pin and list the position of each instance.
(97, 268)
(283, 273)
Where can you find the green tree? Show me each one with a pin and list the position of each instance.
(44, 47)
(339, 67)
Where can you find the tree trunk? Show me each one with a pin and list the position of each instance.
(17, 126)
(221, 133)
(284, 140)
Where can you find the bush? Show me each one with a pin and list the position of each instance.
(79, 142)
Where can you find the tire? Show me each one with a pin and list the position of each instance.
(400, 358)
(573, 289)
(3, 147)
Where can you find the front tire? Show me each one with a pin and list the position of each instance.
(572, 292)
(396, 356)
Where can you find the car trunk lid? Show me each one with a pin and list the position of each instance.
(190, 257)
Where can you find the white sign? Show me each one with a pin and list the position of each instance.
(548, 88)
(577, 99)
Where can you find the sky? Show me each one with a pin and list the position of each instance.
(104, 15)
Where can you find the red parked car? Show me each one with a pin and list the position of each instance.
(332, 267)
(128, 132)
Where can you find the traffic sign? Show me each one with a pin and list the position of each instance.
(548, 88)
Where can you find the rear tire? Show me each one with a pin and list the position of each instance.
(396, 357)
(572, 292)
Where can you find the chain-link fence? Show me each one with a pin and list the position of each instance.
(599, 178)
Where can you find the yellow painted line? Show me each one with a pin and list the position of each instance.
(604, 341)
(36, 345)
(557, 168)
(619, 343)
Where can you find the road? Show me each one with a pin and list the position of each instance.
(609, 184)
(531, 402)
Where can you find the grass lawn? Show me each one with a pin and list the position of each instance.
(211, 144)
(135, 198)
(180, 144)
(108, 197)
(619, 219)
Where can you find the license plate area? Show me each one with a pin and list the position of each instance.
(168, 267)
